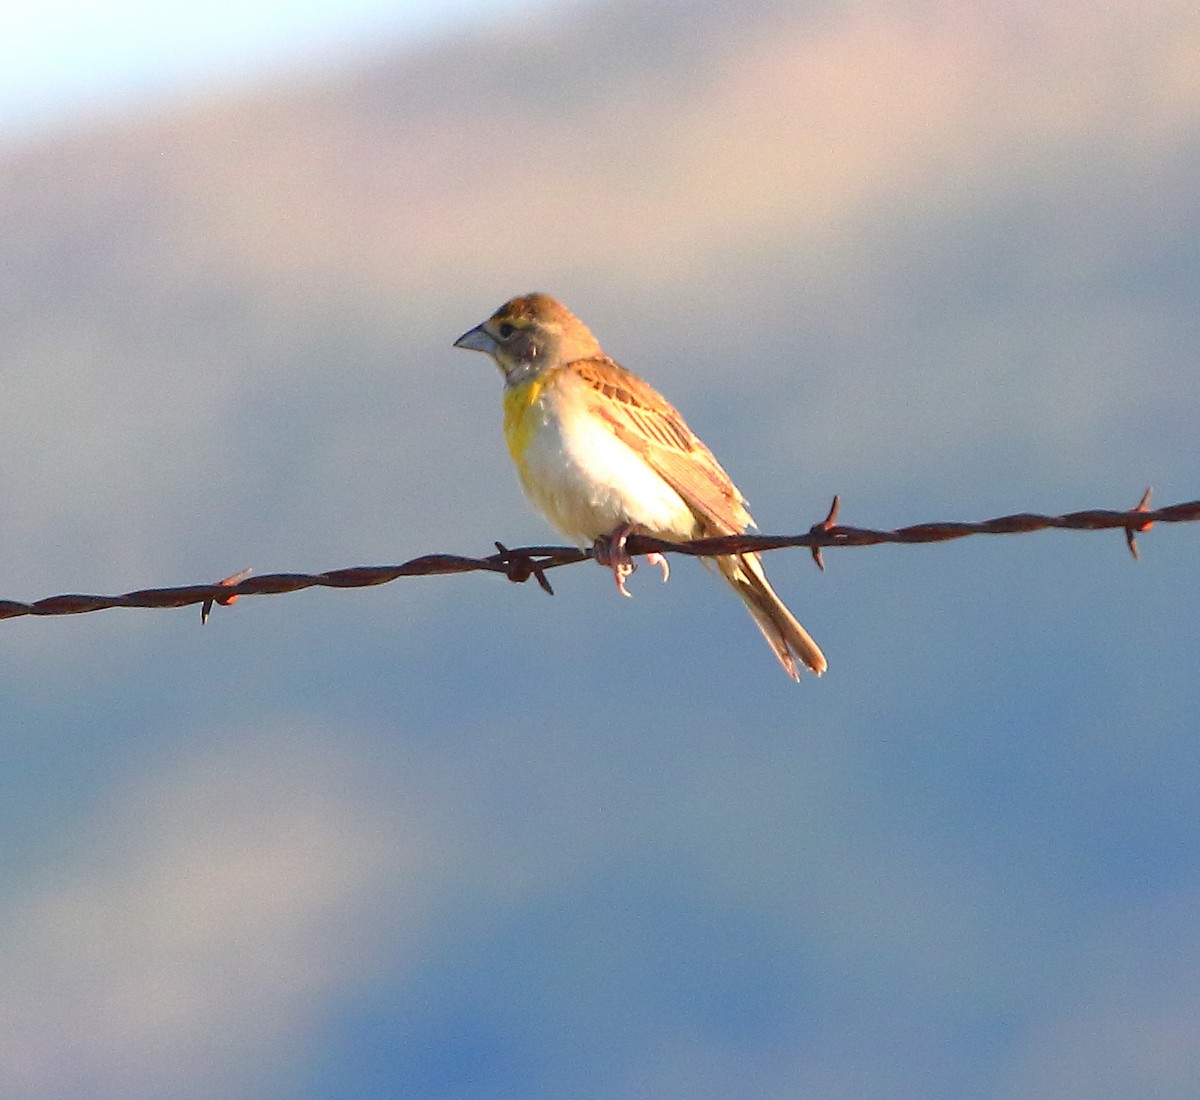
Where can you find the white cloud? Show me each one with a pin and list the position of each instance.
(189, 936)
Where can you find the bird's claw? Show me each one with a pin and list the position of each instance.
(622, 570)
(611, 553)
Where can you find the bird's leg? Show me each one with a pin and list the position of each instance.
(610, 552)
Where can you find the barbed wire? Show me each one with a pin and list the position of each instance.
(521, 563)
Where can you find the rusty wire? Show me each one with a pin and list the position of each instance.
(533, 561)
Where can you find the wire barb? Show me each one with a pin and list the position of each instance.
(522, 566)
(521, 563)
(824, 527)
(227, 582)
(1130, 536)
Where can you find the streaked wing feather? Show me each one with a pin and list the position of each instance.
(643, 419)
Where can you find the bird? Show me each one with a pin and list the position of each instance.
(603, 455)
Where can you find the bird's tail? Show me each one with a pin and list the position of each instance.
(783, 632)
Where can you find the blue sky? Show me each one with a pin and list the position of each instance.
(63, 57)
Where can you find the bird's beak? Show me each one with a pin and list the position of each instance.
(477, 339)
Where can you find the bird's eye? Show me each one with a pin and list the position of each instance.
(506, 330)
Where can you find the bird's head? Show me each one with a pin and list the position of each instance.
(530, 334)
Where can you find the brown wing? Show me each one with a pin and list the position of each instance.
(644, 420)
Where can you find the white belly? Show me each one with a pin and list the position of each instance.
(589, 483)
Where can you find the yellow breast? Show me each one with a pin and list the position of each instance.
(522, 417)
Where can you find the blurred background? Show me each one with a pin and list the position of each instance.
(452, 839)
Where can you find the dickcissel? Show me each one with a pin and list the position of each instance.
(603, 455)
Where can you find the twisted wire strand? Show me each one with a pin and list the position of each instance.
(521, 563)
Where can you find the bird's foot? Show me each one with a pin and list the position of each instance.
(611, 553)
